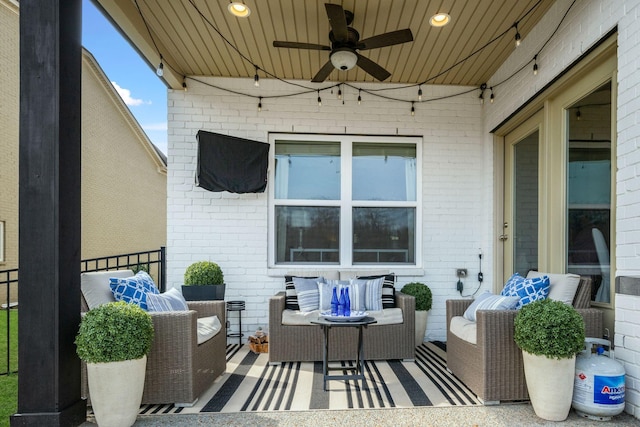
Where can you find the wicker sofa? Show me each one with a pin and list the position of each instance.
(304, 342)
(178, 369)
(493, 367)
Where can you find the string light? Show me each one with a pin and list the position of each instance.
(160, 70)
(256, 78)
(359, 97)
(413, 109)
(578, 115)
(518, 38)
(420, 93)
(259, 104)
(184, 84)
(483, 87)
(535, 65)
(339, 93)
(491, 96)
(319, 99)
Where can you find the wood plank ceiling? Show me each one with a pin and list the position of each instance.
(201, 37)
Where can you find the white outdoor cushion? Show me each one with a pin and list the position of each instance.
(464, 329)
(388, 316)
(563, 287)
(208, 327)
(95, 286)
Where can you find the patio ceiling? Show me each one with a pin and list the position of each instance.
(197, 37)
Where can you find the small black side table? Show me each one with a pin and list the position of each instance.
(359, 368)
(239, 307)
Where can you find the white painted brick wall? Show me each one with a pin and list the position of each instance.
(586, 23)
(231, 229)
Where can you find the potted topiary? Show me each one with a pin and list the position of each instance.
(203, 281)
(114, 339)
(424, 299)
(550, 334)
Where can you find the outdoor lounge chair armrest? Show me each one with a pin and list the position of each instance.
(593, 322)
(495, 328)
(209, 308)
(456, 307)
(175, 328)
(405, 302)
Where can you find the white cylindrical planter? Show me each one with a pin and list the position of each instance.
(116, 391)
(550, 385)
(421, 326)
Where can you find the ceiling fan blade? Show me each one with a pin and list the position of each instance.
(338, 21)
(323, 73)
(296, 45)
(386, 39)
(372, 68)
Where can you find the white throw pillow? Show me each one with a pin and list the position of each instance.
(563, 287)
(171, 300)
(208, 327)
(488, 301)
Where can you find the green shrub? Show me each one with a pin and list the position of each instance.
(549, 328)
(114, 332)
(203, 273)
(422, 294)
(140, 267)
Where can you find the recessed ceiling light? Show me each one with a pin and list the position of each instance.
(239, 9)
(439, 19)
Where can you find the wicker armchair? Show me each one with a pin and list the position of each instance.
(493, 367)
(178, 369)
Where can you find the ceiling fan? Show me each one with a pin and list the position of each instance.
(345, 44)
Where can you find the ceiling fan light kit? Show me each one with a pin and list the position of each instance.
(343, 58)
(346, 44)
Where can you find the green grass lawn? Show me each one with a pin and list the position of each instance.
(8, 383)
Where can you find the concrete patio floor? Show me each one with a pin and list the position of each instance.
(494, 416)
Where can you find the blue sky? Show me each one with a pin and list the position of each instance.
(137, 83)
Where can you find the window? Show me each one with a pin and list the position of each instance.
(345, 200)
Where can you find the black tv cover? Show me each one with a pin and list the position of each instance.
(227, 163)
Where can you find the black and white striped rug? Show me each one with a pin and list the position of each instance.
(251, 384)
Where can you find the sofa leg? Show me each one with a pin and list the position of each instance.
(489, 402)
(185, 405)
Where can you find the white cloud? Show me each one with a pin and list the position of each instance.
(125, 94)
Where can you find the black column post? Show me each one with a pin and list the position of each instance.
(50, 143)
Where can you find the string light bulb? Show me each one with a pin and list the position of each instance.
(256, 78)
(339, 93)
(578, 115)
(259, 104)
(413, 109)
(184, 85)
(420, 93)
(160, 70)
(319, 99)
(359, 96)
(518, 38)
(535, 65)
(491, 97)
(483, 87)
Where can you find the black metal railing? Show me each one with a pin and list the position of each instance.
(153, 262)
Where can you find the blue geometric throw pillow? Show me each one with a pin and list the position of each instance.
(529, 290)
(133, 289)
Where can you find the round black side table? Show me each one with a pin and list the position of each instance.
(239, 307)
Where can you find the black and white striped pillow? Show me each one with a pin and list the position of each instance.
(291, 297)
(388, 289)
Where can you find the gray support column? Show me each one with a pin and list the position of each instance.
(50, 143)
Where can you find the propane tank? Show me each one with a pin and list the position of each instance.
(599, 385)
